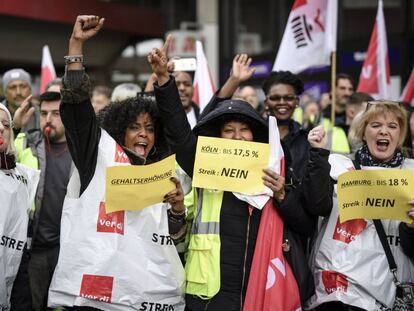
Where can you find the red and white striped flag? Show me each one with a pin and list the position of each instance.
(309, 37)
(203, 84)
(375, 74)
(48, 70)
(408, 92)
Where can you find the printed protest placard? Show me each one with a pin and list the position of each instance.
(230, 165)
(375, 194)
(135, 187)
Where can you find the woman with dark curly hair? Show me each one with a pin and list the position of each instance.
(123, 260)
(118, 115)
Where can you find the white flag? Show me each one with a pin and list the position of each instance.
(203, 84)
(375, 73)
(310, 36)
(48, 69)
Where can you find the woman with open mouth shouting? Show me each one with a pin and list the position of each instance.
(353, 260)
(124, 260)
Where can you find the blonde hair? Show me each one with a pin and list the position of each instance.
(384, 108)
(10, 147)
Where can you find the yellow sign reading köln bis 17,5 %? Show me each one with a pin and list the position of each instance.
(230, 165)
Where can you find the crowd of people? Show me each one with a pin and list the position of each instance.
(60, 249)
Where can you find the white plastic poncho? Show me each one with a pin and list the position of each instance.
(348, 260)
(119, 261)
(17, 191)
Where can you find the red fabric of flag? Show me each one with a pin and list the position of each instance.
(272, 285)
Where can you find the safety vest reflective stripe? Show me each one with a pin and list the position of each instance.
(208, 222)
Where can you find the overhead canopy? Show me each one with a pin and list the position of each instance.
(27, 25)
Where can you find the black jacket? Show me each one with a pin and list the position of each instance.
(407, 240)
(297, 142)
(238, 228)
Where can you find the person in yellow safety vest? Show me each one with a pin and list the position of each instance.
(337, 139)
(224, 230)
(344, 89)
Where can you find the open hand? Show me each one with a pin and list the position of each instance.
(23, 113)
(241, 70)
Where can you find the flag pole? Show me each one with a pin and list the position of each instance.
(333, 87)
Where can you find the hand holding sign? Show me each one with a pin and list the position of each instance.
(175, 197)
(411, 214)
(135, 187)
(274, 182)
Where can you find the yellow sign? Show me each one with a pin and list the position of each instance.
(230, 165)
(135, 187)
(375, 194)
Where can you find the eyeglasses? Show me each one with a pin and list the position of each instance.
(383, 102)
(286, 98)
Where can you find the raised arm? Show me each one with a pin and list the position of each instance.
(240, 72)
(317, 184)
(177, 130)
(78, 116)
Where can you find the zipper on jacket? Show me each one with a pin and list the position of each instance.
(250, 210)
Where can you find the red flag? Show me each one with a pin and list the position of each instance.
(272, 285)
(48, 70)
(203, 84)
(408, 92)
(375, 73)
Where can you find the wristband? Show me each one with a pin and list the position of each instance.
(69, 59)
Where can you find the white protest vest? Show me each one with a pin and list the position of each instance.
(348, 260)
(17, 191)
(118, 261)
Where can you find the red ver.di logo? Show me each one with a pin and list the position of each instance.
(97, 287)
(120, 155)
(348, 230)
(111, 222)
(334, 281)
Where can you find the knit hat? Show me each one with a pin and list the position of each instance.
(15, 74)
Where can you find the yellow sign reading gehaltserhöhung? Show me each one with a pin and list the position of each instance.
(134, 187)
(230, 165)
(375, 194)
